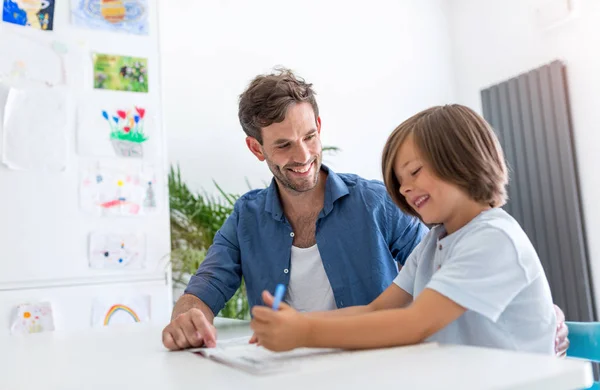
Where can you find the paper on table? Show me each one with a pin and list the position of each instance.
(35, 122)
(258, 360)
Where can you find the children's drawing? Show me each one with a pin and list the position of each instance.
(127, 16)
(31, 60)
(33, 318)
(120, 73)
(127, 131)
(118, 191)
(35, 129)
(120, 310)
(37, 14)
(112, 250)
(116, 127)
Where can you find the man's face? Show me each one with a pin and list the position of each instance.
(292, 148)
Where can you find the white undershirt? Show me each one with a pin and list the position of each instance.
(309, 288)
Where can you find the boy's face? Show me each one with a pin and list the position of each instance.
(292, 148)
(435, 200)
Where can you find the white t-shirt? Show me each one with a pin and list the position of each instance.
(489, 267)
(309, 288)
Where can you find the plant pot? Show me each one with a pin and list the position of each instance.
(127, 148)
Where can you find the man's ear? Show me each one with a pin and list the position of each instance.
(319, 125)
(255, 147)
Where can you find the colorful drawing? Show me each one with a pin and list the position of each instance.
(116, 308)
(32, 13)
(128, 16)
(120, 73)
(127, 131)
(33, 318)
(117, 191)
(117, 250)
(120, 310)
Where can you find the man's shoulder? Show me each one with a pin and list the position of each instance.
(252, 198)
(359, 185)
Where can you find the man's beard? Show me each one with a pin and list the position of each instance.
(296, 185)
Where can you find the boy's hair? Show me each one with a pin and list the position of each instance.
(459, 146)
(268, 97)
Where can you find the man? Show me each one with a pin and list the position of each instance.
(335, 240)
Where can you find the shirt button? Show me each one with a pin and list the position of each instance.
(292, 234)
(440, 247)
(341, 303)
(285, 271)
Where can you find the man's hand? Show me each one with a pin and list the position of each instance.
(280, 330)
(189, 329)
(561, 342)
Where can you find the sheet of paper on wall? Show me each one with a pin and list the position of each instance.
(115, 127)
(125, 16)
(120, 73)
(110, 190)
(117, 251)
(25, 59)
(38, 14)
(33, 318)
(110, 311)
(35, 122)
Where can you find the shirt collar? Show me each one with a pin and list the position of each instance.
(335, 188)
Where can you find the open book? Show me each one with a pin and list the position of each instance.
(239, 354)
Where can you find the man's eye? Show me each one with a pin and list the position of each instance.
(415, 171)
(283, 146)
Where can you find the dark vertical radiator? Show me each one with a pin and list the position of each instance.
(530, 114)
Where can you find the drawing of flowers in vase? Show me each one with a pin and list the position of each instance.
(127, 131)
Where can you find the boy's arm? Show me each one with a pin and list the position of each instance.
(392, 297)
(429, 313)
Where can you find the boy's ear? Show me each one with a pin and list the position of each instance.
(255, 147)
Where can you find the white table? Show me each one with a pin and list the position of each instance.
(134, 358)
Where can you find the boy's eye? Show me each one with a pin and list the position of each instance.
(415, 171)
(310, 137)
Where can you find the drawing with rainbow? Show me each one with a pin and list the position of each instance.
(117, 308)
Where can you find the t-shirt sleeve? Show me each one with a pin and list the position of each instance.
(483, 273)
(406, 277)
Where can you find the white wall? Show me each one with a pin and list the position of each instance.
(496, 40)
(373, 64)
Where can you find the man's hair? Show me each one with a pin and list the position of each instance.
(459, 146)
(268, 97)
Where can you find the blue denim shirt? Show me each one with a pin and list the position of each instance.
(360, 233)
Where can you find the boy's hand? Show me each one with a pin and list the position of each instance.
(280, 330)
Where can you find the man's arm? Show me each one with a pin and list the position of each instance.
(190, 326)
(216, 280)
(188, 302)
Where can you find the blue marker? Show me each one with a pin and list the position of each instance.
(279, 293)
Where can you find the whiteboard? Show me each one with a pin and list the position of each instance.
(44, 234)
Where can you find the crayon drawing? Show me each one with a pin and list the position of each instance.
(33, 318)
(120, 310)
(38, 14)
(118, 191)
(125, 16)
(114, 250)
(120, 73)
